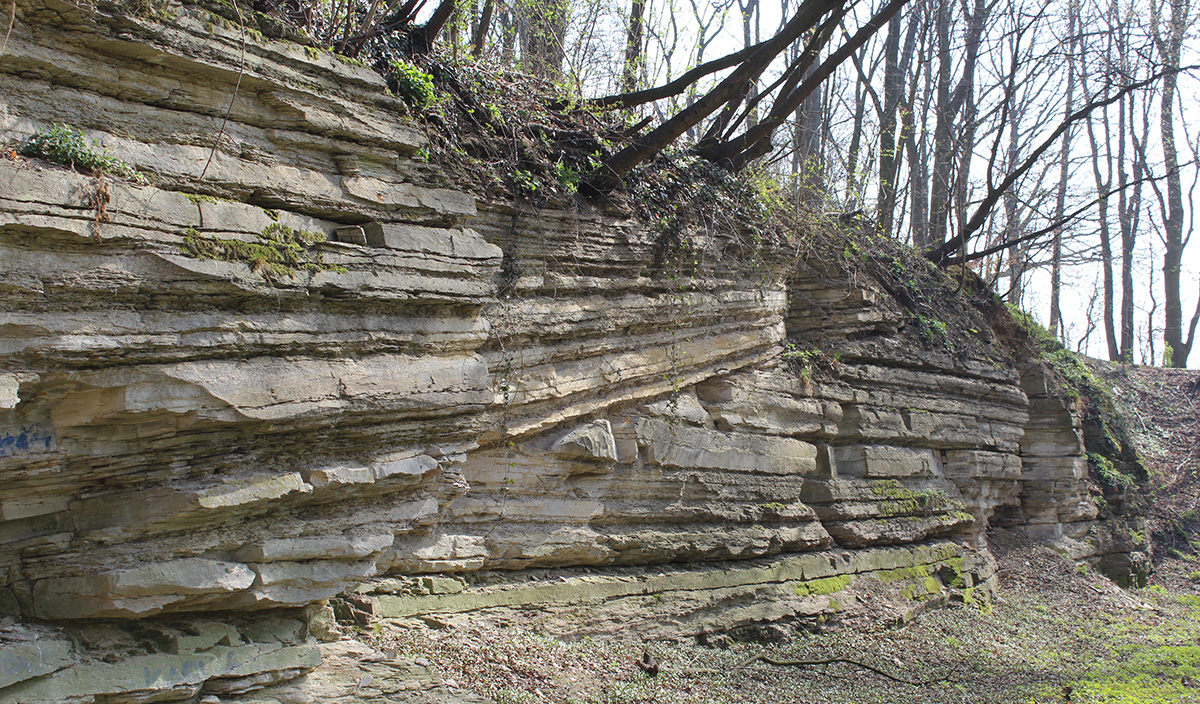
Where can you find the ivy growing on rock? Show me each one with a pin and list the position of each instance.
(66, 145)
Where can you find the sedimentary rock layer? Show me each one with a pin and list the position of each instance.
(434, 384)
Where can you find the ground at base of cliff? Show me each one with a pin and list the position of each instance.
(1056, 633)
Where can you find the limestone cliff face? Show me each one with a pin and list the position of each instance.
(445, 400)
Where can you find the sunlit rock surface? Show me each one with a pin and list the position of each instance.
(461, 406)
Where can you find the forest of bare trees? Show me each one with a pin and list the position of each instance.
(1048, 145)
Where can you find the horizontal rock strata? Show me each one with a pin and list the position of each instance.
(437, 403)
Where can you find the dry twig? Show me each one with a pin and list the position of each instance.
(12, 17)
(762, 657)
(236, 88)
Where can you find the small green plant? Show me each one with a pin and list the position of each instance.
(349, 61)
(413, 85)
(932, 331)
(1108, 473)
(66, 145)
(931, 500)
(524, 182)
(494, 112)
(807, 360)
(156, 10)
(567, 176)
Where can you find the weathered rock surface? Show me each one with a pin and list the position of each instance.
(154, 663)
(462, 406)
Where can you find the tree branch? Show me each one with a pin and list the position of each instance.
(939, 254)
(739, 150)
(616, 167)
(668, 90)
(994, 249)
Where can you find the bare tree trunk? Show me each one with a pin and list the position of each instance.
(1169, 40)
(950, 102)
(510, 28)
(811, 184)
(940, 186)
(435, 24)
(1017, 253)
(1129, 205)
(633, 47)
(1060, 206)
(750, 18)
(918, 154)
(892, 88)
(1089, 319)
(1129, 208)
(852, 153)
(479, 40)
(1150, 315)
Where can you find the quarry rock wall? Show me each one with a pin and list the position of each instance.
(436, 404)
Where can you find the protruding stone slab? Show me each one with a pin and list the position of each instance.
(300, 583)
(25, 654)
(351, 234)
(161, 676)
(314, 548)
(592, 441)
(138, 592)
(406, 196)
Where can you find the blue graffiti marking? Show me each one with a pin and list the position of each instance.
(25, 441)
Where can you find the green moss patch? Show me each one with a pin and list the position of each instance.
(281, 251)
(823, 586)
